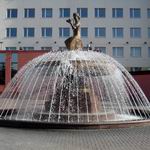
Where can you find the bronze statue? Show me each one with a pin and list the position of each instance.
(74, 42)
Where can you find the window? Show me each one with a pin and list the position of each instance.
(118, 52)
(64, 12)
(83, 12)
(64, 32)
(47, 12)
(62, 49)
(12, 13)
(28, 32)
(84, 32)
(101, 49)
(148, 51)
(46, 32)
(28, 48)
(2, 68)
(117, 32)
(100, 32)
(11, 32)
(117, 12)
(135, 52)
(14, 64)
(135, 32)
(99, 12)
(46, 48)
(15, 57)
(10, 48)
(29, 13)
(148, 12)
(149, 32)
(135, 12)
(136, 68)
(2, 57)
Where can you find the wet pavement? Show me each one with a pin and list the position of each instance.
(137, 138)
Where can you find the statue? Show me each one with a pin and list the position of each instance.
(74, 42)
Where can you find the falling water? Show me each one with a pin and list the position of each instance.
(74, 87)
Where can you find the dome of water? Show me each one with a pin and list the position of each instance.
(79, 87)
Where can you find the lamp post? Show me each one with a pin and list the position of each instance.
(19, 47)
(1, 44)
(90, 45)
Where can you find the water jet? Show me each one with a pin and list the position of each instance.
(73, 88)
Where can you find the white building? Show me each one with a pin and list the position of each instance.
(121, 28)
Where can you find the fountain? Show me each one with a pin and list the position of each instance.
(73, 87)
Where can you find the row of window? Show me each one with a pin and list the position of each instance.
(134, 52)
(116, 51)
(117, 32)
(83, 12)
(119, 51)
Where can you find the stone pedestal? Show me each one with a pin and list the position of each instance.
(73, 43)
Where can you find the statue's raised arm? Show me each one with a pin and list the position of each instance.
(74, 42)
(75, 21)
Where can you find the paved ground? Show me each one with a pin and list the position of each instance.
(113, 139)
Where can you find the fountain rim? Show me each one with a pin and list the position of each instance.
(70, 125)
(51, 125)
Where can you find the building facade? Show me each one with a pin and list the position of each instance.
(118, 28)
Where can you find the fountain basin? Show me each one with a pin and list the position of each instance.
(74, 88)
